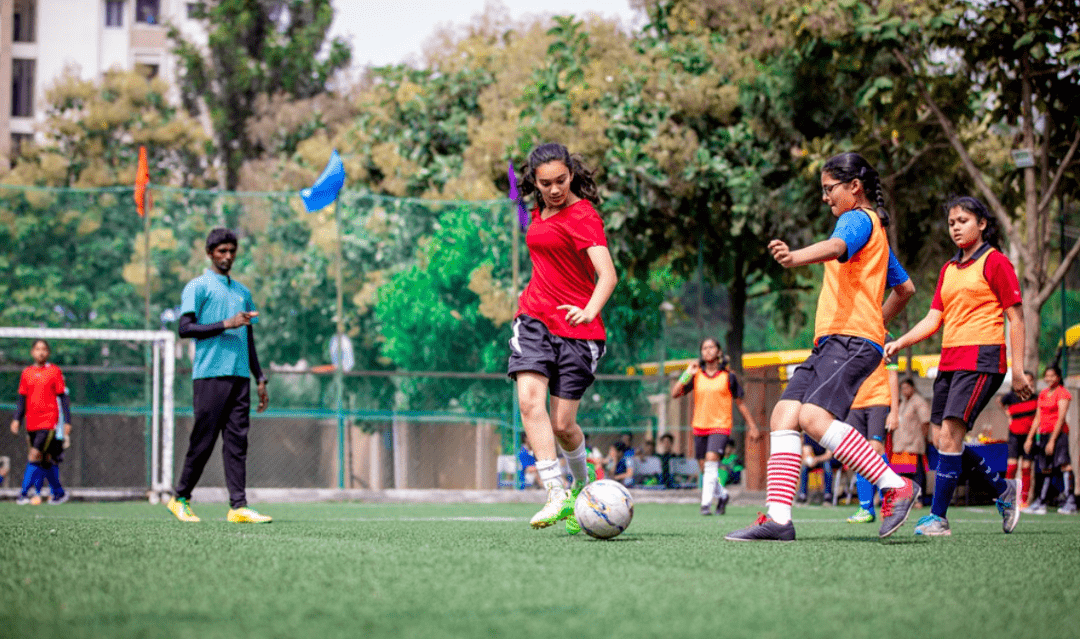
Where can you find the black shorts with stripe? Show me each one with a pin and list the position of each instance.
(963, 395)
(568, 364)
(833, 373)
(46, 442)
(869, 421)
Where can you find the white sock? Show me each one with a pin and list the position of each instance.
(575, 461)
(550, 474)
(859, 455)
(710, 479)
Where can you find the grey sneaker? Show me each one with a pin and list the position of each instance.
(933, 526)
(764, 529)
(62, 499)
(1069, 507)
(706, 510)
(1006, 505)
(896, 505)
(1036, 508)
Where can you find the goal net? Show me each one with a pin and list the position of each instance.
(120, 383)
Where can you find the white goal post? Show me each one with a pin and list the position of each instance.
(163, 372)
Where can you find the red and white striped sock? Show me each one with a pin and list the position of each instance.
(853, 450)
(785, 462)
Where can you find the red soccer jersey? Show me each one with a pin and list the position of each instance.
(1048, 409)
(972, 298)
(40, 385)
(562, 271)
(1021, 413)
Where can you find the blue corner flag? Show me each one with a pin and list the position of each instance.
(325, 190)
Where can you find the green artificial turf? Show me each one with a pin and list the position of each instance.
(121, 570)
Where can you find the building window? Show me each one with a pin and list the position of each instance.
(148, 71)
(23, 19)
(22, 88)
(114, 13)
(148, 11)
(18, 140)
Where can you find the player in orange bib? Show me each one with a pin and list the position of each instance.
(976, 290)
(716, 389)
(849, 331)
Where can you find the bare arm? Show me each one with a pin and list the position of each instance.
(680, 387)
(755, 432)
(606, 278)
(1020, 384)
(892, 422)
(822, 251)
(898, 298)
(926, 327)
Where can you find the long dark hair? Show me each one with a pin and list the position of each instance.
(723, 361)
(973, 205)
(582, 184)
(852, 166)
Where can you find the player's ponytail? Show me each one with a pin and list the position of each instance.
(582, 185)
(847, 167)
(991, 234)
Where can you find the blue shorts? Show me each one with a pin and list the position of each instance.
(833, 373)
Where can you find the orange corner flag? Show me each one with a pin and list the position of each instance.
(142, 178)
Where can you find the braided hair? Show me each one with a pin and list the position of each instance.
(973, 205)
(582, 184)
(852, 166)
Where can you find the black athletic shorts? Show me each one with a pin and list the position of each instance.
(1016, 446)
(869, 421)
(568, 364)
(45, 441)
(833, 373)
(963, 395)
(713, 443)
(1045, 463)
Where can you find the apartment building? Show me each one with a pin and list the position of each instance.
(40, 38)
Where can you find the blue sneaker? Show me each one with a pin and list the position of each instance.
(933, 526)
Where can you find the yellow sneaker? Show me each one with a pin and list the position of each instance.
(182, 509)
(246, 515)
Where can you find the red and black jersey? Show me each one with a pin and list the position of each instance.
(1021, 413)
(972, 297)
(41, 385)
(562, 271)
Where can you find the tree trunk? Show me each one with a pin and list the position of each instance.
(737, 312)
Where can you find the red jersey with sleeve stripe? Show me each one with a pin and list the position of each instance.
(40, 385)
(562, 271)
(1048, 409)
(852, 291)
(972, 297)
(1021, 413)
(713, 398)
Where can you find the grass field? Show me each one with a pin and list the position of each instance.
(123, 570)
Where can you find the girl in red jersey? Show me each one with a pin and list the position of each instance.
(558, 336)
(848, 338)
(40, 385)
(1021, 414)
(1048, 440)
(976, 290)
(715, 389)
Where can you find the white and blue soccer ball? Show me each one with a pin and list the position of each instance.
(604, 509)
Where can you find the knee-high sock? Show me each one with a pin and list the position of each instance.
(852, 449)
(575, 461)
(1025, 480)
(973, 462)
(866, 493)
(52, 474)
(1010, 470)
(32, 474)
(783, 474)
(1067, 482)
(948, 474)
(39, 479)
(804, 481)
(709, 481)
(827, 478)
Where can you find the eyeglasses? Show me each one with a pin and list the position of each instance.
(828, 188)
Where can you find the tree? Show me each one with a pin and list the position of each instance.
(254, 48)
(990, 94)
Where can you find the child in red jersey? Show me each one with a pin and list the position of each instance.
(1021, 414)
(558, 336)
(976, 290)
(40, 386)
(849, 333)
(1048, 442)
(715, 390)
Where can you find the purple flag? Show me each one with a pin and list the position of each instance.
(523, 215)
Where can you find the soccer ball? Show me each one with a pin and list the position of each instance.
(604, 509)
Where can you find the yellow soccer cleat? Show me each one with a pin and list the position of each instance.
(246, 515)
(182, 509)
